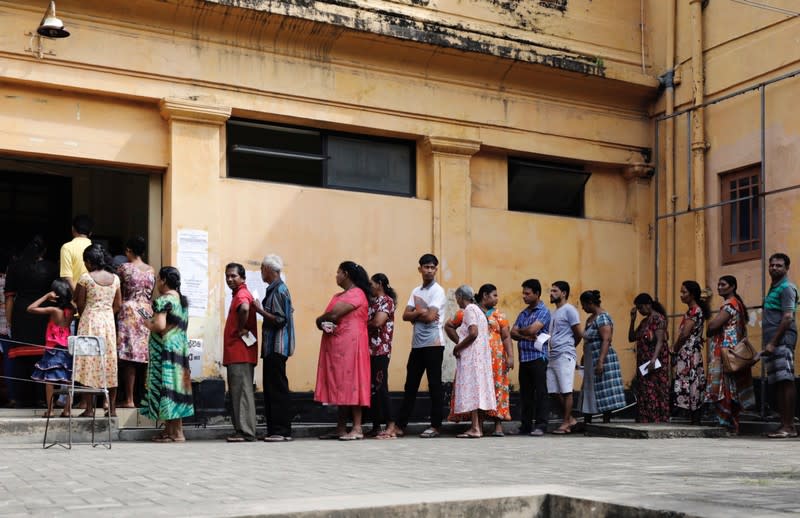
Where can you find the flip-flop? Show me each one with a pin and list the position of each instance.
(235, 438)
(331, 436)
(430, 433)
(277, 438)
(352, 437)
(383, 436)
(561, 431)
(498, 434)
(781, 434)
(468, 436)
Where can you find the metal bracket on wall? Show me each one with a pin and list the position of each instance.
(36, 47)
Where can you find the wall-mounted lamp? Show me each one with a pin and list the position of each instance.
(50, 27)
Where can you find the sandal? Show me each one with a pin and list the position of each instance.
(234, 438)
(782, 434)
(468, 436)
(498, 434)
(169, 439)
(351, 437)
(277, 438)
(385, 436)
(430, 433)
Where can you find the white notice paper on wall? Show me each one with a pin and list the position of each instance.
(195, 357)
(193, 265)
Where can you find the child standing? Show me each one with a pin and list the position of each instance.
(56, 363)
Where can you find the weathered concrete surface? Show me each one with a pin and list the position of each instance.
(698, 477)
(652, 431)
(539, 32)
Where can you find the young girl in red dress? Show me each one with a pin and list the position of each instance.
(56, 363)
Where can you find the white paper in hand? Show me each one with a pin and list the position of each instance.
(643, 367)
(249, 339)
(541, 339)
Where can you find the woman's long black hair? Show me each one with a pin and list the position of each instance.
(383, 280)
(645, 298)
(731, 280)
(172, 278)
(98, 257)
(697, 295)
(358, 275)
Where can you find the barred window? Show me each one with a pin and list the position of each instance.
(741, 219)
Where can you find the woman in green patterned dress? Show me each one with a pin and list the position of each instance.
(169, 390)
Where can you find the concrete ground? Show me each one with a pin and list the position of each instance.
(715, 477)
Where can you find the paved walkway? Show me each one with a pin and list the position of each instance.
(704, 477)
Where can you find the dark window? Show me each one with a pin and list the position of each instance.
(305, 156)
(741, 219)
(546, 187)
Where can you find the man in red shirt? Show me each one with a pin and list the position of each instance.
(240, 354)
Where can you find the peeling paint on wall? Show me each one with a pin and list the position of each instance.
(383, 20)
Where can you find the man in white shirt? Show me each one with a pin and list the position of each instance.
(424, 310)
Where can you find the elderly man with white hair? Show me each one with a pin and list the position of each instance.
(278, 340)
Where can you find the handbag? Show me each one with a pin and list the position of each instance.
(740, 356)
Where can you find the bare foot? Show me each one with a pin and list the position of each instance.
(126, 404)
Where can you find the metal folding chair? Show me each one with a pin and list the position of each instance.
(82, 345)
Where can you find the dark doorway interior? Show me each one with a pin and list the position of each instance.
(33, 204)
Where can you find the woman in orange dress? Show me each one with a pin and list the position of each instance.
(343, 371)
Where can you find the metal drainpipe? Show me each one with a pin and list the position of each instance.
(698, 140)
(669, 155)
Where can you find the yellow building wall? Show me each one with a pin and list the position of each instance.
(314, 230)
(467, 112)
(742, 46)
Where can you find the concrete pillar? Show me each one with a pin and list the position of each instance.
(190, 201)
(451, 196)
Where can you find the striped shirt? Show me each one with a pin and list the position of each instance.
(278, 337)
(528, 316)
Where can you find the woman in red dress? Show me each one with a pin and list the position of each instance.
(343, 371)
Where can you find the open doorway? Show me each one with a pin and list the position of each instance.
(42, 197)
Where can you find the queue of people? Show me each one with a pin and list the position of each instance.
(143, 318)
(547, 347)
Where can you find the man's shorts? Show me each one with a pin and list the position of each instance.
(560, 375)
(780, 364)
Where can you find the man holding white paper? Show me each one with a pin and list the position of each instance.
(566, 332)
(530, 326)
(240, 354)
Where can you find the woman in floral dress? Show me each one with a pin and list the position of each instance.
(381, 331)
(652, 387)
(502, 352)
(473, 387)
(98, 298)
(137, 279)
(690, 378)
(729, 392)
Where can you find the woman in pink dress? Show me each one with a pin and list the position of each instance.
(343, 371)
(473, 387)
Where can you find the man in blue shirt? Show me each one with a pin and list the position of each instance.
(532, 359)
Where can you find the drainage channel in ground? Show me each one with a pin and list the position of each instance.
(529, 506)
